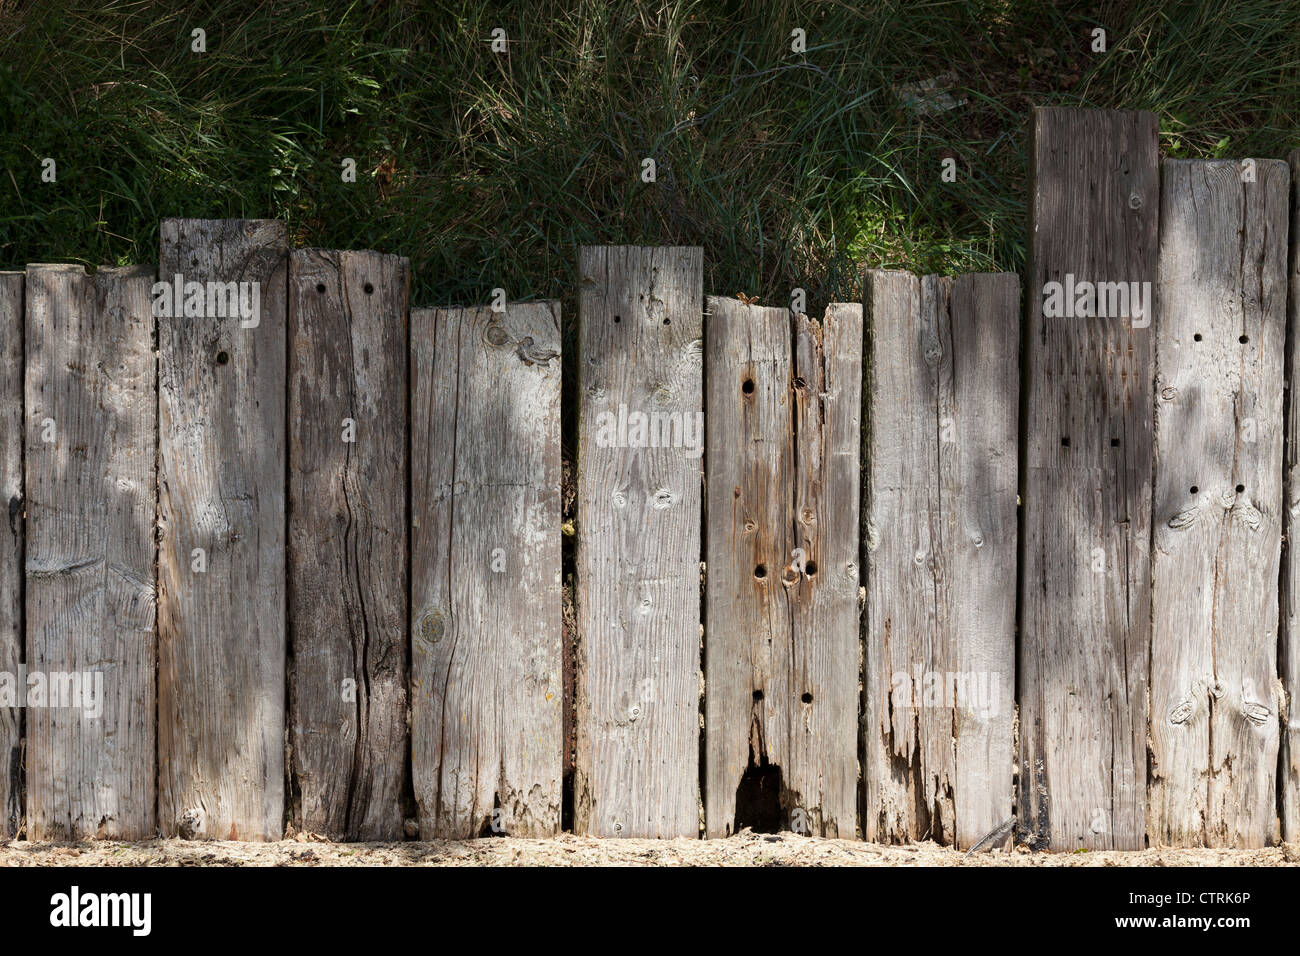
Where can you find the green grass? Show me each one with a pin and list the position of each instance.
(489, 169)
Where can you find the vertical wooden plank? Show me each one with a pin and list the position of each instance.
(91, 453)
(781, 640)
(979, 416)
(221, 631)
(1289, 657)
(1085, 597)
(940, 553)
(11, 550)
(1217, 507)
(487, 699)
(639, 498)
(901, 617)
(347, 562)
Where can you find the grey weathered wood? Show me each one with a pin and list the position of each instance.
(940, 556)
(221, 633)
(487, 698)
(1289, 650)
(638, 579)
(1217, 506)
(1086, 597)
(783, 418)
(89, 602)
(347, 562)
(11, 551)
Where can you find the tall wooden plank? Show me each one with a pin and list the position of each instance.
(1085, 573)
(1289, 656)
(979, 467)
(11, 551)
(486, 709)
(1217, 506)
(89, 602)
(638, 553)
(940, 555)
(221, 564)
(781, 641)
(347, 561)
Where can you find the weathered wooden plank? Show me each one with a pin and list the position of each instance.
(1086, 596)
(11, 552)
(940, 555)
(638, 553)
(89, 604)
(1289, 650)
(221, 630)
(487, 699)
(1217, 506)
(347, 561)
(781, 642)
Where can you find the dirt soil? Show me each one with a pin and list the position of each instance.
(745, 849)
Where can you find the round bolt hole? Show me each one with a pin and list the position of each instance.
(810, 568)
(1243, 339)
(806, 697)
(320, 286)
(1195, 489)
(1196, 337)
(1065, 441)
(618, 318)
(668, 321)
(747, 386)
(369, 289)
(223, 358)
(1240, 489)
(758, 695)
(1114, 443)
(760, 572)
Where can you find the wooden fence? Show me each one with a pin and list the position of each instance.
(282, 550)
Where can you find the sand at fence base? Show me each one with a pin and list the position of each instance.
(747, 849)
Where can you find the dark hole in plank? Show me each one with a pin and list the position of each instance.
(758, 798)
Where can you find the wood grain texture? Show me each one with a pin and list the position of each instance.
(89, 603)
(638, 554)
(1217, 507)
(783, 415)
(221, 667)
(486, 714)
(11, 549)
(940, 555)
(1289, 649)
(347, 562)
(1085, 570)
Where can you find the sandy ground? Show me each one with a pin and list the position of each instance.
(746, 849)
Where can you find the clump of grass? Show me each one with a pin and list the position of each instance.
(489, 169)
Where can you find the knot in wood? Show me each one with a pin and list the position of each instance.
(495, 336)
(1184, 519)
(432, 626)
(1248, 515)
(532, 354)
(931, 349)
(1182, 711)
(1255, 712)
